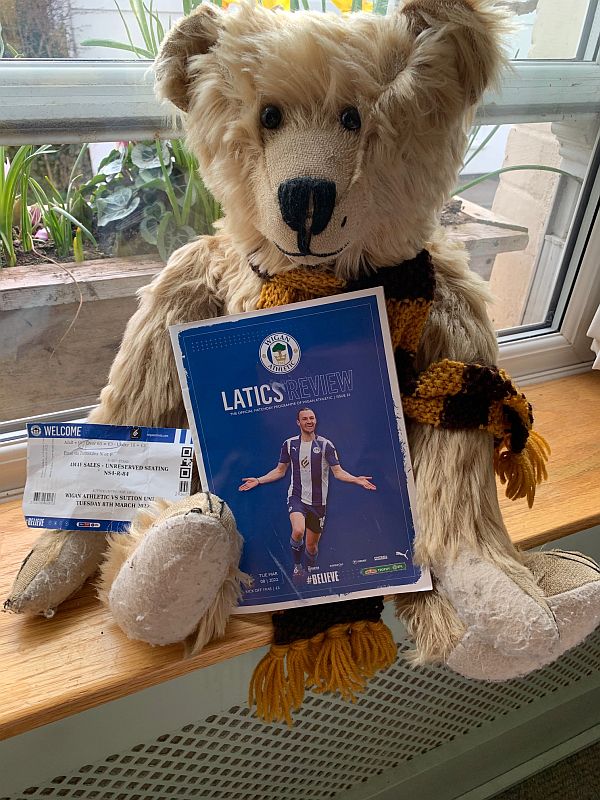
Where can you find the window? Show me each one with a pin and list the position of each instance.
(75, 88)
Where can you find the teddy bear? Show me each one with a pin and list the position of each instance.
(331, 143)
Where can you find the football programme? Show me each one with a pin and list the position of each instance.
(298, 426)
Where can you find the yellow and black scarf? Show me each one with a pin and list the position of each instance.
(338, 646)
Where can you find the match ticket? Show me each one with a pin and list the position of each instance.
(84, 476)
(297, 419)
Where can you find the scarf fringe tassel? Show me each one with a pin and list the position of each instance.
(339, 660)
(522, 472)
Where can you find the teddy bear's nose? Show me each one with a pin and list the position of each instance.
(306, 206)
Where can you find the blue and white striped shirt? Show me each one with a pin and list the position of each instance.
(310, 468)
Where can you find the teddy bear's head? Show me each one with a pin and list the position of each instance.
(330, 138)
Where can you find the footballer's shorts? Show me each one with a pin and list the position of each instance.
(314, 515)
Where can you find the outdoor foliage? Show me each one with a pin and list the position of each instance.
(31, 211)
(65, 215)
(150, 196)
(36, 28)
(473, 150)
(14, 193)
(151, 30)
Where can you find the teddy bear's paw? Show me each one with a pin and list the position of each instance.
(571, 585)
(176, 575)
(508, 611)
(60, 562)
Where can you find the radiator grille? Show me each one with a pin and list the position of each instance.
(332, 747)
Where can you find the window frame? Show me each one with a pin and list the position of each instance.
(75, 101)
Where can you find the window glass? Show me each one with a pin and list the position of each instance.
(520, 188)
(90, 226)
(93, 223)
(105, 29)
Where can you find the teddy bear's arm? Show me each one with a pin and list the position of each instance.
(457, 504)
(143, 389)
(455, 468)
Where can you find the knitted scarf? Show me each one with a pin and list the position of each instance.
(338, 646)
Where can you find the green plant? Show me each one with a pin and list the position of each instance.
(62, 214)
(6, 47)
(149, 195)
(14, 193)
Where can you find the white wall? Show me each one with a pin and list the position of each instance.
(99, 19)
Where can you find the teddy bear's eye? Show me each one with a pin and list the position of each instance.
(270, 117)
(350, 119)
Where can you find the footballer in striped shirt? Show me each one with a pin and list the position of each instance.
(312, 457)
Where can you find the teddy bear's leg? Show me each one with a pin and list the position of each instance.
(495, 613)
(475, 599)
(494, 607)
(571, 583)
(484, 588)
(175, 575)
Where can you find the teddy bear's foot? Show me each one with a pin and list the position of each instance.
(60, 562)
(498, 602)
(571, 584)
(175, 575)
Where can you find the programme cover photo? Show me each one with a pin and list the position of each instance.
(297, 421)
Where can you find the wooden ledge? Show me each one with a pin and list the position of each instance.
(51, 284)
(54, 668)
(566, 413)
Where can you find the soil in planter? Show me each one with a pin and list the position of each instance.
(452, 213)
(44, 252)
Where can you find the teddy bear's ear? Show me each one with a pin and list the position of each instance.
(191, 36)
(474, 29)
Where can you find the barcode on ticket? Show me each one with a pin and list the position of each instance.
(44, 497)
(184, 487)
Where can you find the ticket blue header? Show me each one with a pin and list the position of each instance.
(124, 433)
(74, 524)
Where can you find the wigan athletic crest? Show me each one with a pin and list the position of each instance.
(279, 353)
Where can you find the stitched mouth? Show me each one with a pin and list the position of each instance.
(309, 254)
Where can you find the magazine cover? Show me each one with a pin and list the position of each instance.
(298, 426)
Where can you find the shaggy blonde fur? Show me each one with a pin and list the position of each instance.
(414, 78)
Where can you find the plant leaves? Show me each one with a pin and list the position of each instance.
(117, 205)
(111, 167)
(155, 210)
(145, 176)
(139, 51)
(144, 156)
(170, 236)
(149, 230)
(157, 184)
